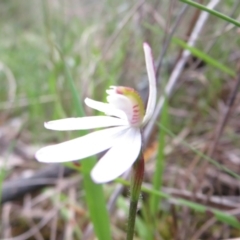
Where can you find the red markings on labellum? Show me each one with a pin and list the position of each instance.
(135, 117)
(76, 164)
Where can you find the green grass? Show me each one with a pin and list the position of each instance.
(64, 49)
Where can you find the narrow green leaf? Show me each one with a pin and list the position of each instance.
(213, 12)
(221, 216)
(203, 56)
(197, 207)
(230, 220)
(96, 202)
(159, 165)
(94, 192)
(142, 229)
(199, 153)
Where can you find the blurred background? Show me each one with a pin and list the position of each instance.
(51, 48)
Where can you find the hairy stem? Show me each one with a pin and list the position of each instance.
(135, 189)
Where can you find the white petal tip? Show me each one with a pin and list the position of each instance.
(146, 45)
(86, 100)
(46, 155)
(100, 178)
(89, 101)
(152, 82)
(39, 155)
(148, 53)
(47, 125)
(147, 49)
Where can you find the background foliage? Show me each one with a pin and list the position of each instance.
(55, 53)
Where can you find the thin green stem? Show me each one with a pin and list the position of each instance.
(131, 219)
(135, 189)
(213, 12)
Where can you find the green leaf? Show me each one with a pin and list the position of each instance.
(96, 202)
(94, 192)
(213, 12)
(159, 166)
(202, 155)
(221, 216)
(203, 56)
(230, 220)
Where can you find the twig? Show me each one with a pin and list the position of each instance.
(226, 115)
(70, 224)
(218, 132)
(27, 208)
(213, 201)
(121, 26)
(227, 27)
(37, 234)
(5, 225)
(35, 229)
(224, 178)
(168, 39)
(190, 28)
(14, 189)
(203, 228)
(53, 235)
(66, 184)
(113, 38)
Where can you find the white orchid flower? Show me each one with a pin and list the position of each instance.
(122, 138)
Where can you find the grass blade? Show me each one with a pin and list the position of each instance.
(221, 216)
(94, 192)
(200, 154)
(213, 12)
(206, 58)
(159, 166)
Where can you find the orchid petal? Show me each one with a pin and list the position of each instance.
(84, 123)
(106, 108)
(152, 83)
(82, 147)
(119, 158)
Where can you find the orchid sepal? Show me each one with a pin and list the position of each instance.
(152, 83)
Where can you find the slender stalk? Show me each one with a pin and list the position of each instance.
(135, 189)
(213, 12)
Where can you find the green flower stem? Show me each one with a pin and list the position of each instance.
(135, 189)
